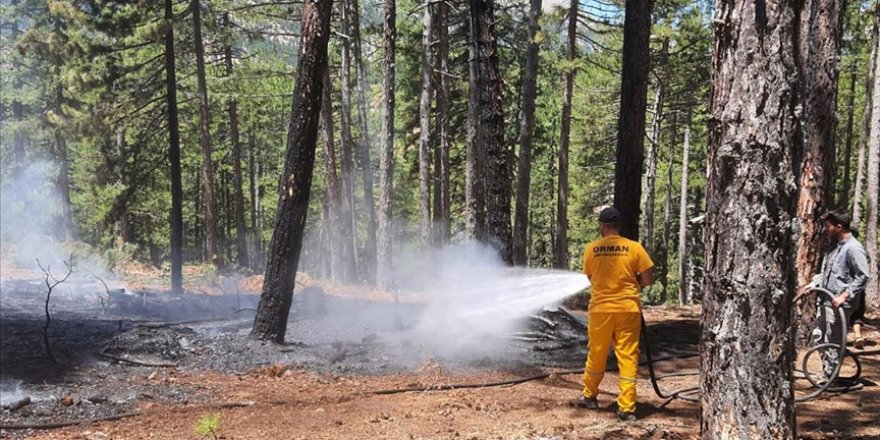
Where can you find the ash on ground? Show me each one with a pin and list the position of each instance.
(111, 344)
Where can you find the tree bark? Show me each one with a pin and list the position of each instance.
(349, 223)
(820, 48)
(174, 154)
(866, 124)
(873, 191)
(560, 246)
(746, 341)
(425, 129)
(475, 184)
(526, 137)
(364, 145)
(238, 182)
(205, 139)
(332, 192)
(443, 215)
(293, 202)
(631, 124)
(683, 217)
(386, 150)
(490, 128)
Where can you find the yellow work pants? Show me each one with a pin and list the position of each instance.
(623, 329)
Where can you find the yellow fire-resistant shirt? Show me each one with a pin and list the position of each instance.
(613, 264)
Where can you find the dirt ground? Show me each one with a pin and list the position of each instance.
(321, 389)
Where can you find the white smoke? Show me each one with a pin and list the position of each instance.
(30, 226)
(472, 295)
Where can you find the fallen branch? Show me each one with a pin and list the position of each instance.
(134, 361)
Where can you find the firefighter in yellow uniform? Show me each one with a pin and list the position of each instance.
(618, 268)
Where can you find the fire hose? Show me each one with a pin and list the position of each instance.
(820, 387)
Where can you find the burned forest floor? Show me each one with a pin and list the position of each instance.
(141, 363)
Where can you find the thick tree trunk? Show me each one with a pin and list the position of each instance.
(238, 182)
(332, 192)
(443, 215)
(820, 48)
(747, 345)
(526, 136)
(364, 145)
(683, 217)
(425, 129)
(475, 184)
(560, 246)
(293, 202)
(205, 139)
(490, 128)
(174, 154)
(651, 169)
(873, 191)
(847, 152)
(349, 224)
(633, 105)
(386, 149)
(865, 130)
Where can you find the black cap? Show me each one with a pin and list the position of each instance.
(838, 217)
(609, 215)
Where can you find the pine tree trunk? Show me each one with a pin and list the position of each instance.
(252, 187)
(205, 139)
(349, 225)
(560, 246)
(126, 231)
(651, 169)
(63, 182)
(866, 124)
(526, 137)
(332, 192)
(425, 129)
(293, 202)
(174, 155)
(18, 138)
(820, 49)
(631, 124)
(443, 222)
(633, 105)
(747, 344)
(873, 192)
(364, 145)
(667, 215)
(490, 129)
(241, 232)
(847, 152)
(683, 217)
(386, 150)
(475, 184)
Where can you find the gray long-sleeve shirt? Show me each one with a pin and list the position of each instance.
(845, 267)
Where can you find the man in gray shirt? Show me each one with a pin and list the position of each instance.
(845, 275)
